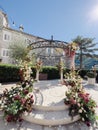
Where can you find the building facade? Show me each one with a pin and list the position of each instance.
(9, 36)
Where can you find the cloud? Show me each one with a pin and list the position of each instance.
(93, 15)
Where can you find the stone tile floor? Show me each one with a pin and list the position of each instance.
(54, 93)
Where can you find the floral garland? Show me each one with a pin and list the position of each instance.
(70, 49)
(38, 65)
(79, 101)
(60, 66)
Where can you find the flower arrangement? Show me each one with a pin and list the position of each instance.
(38, 64)
(60, 66)
(79, 101)
(25, 71)
(70, 49)
(17, 100)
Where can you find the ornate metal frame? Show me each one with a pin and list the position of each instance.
(48, 43)
(52, 58)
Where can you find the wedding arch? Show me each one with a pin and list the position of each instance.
(51, 51)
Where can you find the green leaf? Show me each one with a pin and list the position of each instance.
(96, 117)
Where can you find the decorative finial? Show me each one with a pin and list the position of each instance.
(51, 37)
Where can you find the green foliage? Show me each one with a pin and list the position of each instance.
(86, 48)
(90, 74)
(19, 51)
(83, 73)
(53, 72)
(9, 73)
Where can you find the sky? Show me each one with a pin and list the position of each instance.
(64, 19)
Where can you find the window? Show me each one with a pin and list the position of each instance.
(48, 50)
(5, 52)
(6, 36)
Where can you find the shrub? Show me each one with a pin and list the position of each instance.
(91, 74)
(9, 73)
(53, 72)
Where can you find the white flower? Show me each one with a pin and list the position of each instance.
(83, 119)
(80, 111)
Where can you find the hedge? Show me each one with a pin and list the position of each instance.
(10, 73)
(52, 72)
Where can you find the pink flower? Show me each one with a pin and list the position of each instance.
(86, 100)
(84, 96)
(72, 101)
(32, 100)
(23, 100)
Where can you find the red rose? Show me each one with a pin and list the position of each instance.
(20, 119)
(16, 97)
(25, 91)
(88, 123)
(9, 118)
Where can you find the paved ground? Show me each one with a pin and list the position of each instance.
(51, 93)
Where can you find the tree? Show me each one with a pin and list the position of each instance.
(86, 48)
(20, 52)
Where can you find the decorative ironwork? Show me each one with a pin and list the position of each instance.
(49, 51)
(48, 44)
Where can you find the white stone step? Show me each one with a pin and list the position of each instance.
(50, 108)
(52, 118)
(50, 114)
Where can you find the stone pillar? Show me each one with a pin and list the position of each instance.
(61, 70)
(38, 67)
(37, 75)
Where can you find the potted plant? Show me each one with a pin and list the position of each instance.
(91, 77)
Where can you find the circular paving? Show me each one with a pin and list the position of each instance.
(51, 94)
